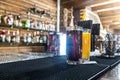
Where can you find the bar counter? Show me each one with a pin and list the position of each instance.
(55, 68)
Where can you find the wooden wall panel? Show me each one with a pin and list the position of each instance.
(22, 6)
(8, 49)
(16, 7)
(23, 49)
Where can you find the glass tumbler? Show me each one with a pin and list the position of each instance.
(86, 44)
(73, 45)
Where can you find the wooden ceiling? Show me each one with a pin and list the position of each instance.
(108, 10)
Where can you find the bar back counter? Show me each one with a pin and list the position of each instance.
(55, 68)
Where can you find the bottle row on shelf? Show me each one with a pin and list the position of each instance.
(16, 20)
(29, 37)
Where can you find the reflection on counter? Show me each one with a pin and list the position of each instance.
(6, 57)
(113, 74)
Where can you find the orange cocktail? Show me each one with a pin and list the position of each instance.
(86, 45)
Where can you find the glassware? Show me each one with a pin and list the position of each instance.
(86, 44)
(74, 45)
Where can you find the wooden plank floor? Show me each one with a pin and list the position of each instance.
(113, 74)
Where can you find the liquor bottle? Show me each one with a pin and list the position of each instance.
(3, 35)
(13, 38)
(27, 23)
(35, 24)
(25, 38)
(34, 39)
(53, 26)
(15, 21)
(10, 19)
(37, 36)
(29, 38)
(47, 25)
(43, 25)
(41, 37)
(19, 18)
(50, 26)
(31, 23)
(20, 23)
(34, 9)
(44, 38)
(17, 37)
(39, 25)
(8, 37)
(4, 18)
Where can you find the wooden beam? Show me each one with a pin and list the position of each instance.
(117, 31)
(84, 3)
(88, 3)
(109, 9)
(115, 26)
(81, 3)
(107, 23)
(106, 6)
(109, 13)
(111, 23)
(112, 19)
(108, 17)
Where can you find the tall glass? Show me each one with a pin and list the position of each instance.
(86, 44)
(73, 45)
